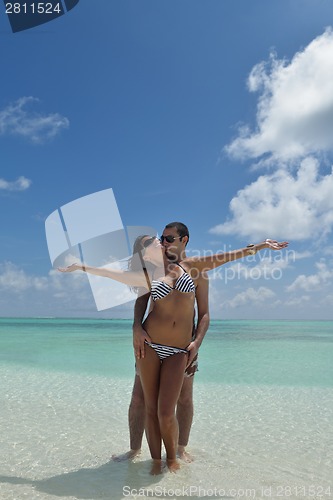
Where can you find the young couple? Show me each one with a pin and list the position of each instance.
(165, 348)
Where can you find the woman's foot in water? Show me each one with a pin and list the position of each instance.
(156, 467)
(173, 464)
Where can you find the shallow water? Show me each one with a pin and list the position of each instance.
(263, 423)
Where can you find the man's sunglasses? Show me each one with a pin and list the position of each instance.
(148, 242)
(169, 238)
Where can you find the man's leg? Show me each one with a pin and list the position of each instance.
(185, 410)
(136, 415)
(136, 421)
(185, 414)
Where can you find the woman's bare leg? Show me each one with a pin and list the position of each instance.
(171, 380)
(149, 368)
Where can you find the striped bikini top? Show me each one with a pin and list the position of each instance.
(184, 284)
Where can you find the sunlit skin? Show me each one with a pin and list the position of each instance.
(170, 322)
(184, 410)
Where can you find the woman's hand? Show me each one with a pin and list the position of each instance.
(275, 245)
(71, 268)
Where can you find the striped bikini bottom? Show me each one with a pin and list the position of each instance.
(164, 351)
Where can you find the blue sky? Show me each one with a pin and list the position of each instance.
(218, 114)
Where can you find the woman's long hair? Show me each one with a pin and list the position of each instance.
(136, 262)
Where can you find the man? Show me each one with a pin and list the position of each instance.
(174, 239)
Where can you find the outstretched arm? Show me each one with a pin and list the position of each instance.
(139, 334)
(206, 263)
(127, 277)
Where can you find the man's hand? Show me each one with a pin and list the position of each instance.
(139, 337)
(139, 334)
(193, 348)
(276, 245)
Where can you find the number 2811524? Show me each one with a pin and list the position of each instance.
(33, 8)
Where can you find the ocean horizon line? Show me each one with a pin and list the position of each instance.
(92, 318)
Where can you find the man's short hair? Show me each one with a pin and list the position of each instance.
(182, 230)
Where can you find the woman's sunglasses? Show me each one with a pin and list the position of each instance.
(148, 242)
(169, 238)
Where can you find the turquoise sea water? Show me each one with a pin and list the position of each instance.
(247, 352)
(263, 423)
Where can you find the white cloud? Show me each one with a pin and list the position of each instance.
(295, 106)
(56, 293)
(16, 119)
(281, 205)
(328, 300)
(251, 296)
(66, 283)
(14, 279)
(298, 301)
(313, 282)
(328, 250)
(294, 123)
(303, 255)
(21, 184)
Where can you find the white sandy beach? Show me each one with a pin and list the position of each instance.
(59, 431)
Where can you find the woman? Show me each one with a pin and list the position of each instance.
(169, 325)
